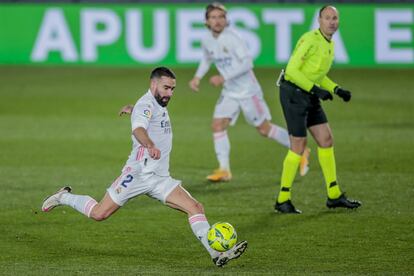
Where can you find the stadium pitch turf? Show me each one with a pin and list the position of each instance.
(59, 126)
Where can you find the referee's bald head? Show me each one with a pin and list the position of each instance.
(327, 7)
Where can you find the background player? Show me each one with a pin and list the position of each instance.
(241, 90)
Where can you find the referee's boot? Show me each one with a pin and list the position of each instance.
(286, 208)
(343, 202)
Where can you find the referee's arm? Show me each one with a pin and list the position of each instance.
(303, 51)
(328, 84)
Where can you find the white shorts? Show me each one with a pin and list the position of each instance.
(254, 108)
(132, 183)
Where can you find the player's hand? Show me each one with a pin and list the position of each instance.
(217, 80)
(154, 153)
(194, 84)
(127, 109)
(321, 93)
(342, 93)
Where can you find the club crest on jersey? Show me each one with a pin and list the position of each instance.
(225, 50)
(146, 113)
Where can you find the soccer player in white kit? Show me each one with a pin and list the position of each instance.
(241, 90)
(147, 169)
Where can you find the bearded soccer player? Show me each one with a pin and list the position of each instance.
(147, 169)
(241, 90)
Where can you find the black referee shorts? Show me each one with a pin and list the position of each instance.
(300, 108)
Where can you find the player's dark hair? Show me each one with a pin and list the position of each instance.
(215, 6)
(159, 72)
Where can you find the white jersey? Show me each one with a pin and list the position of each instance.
(148, 114)
(230, 55)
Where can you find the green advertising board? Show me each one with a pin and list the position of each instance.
(170, 34)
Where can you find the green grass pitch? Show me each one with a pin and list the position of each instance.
(60, 127)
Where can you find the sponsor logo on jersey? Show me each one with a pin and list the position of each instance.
(166, 126)
(223, 62)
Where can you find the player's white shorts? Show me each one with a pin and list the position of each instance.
(132, 183)
(254, 108)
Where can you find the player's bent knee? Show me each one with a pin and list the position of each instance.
(100, 216)
(263, 132)
(216, 127)
(219, 125)
(264, 128)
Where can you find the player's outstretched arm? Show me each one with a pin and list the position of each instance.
(127, 109)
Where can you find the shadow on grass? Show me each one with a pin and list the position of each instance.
(273, 220)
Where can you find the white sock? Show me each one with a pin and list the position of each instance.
(200, 226)
(81, 203)
(222, 148)
(279, 134)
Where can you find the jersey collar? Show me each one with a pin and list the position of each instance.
(320, 32)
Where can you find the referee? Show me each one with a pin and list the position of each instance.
(302, 87)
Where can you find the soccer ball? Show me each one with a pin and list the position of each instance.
(222, 236)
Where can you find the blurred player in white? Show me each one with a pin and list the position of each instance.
(241, 90)
(147, 169)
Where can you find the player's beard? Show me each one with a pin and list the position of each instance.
(218, 29)
(162, 101)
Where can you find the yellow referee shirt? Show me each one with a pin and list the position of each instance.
(310, 62)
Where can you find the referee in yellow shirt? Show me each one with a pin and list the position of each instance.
(302, 87)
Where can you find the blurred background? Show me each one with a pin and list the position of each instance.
(140, 33)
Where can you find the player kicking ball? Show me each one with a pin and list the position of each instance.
(147, 170)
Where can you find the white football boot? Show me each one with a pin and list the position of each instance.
(54, 200)
(233, 253)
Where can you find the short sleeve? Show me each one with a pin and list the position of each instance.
(141, 115)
